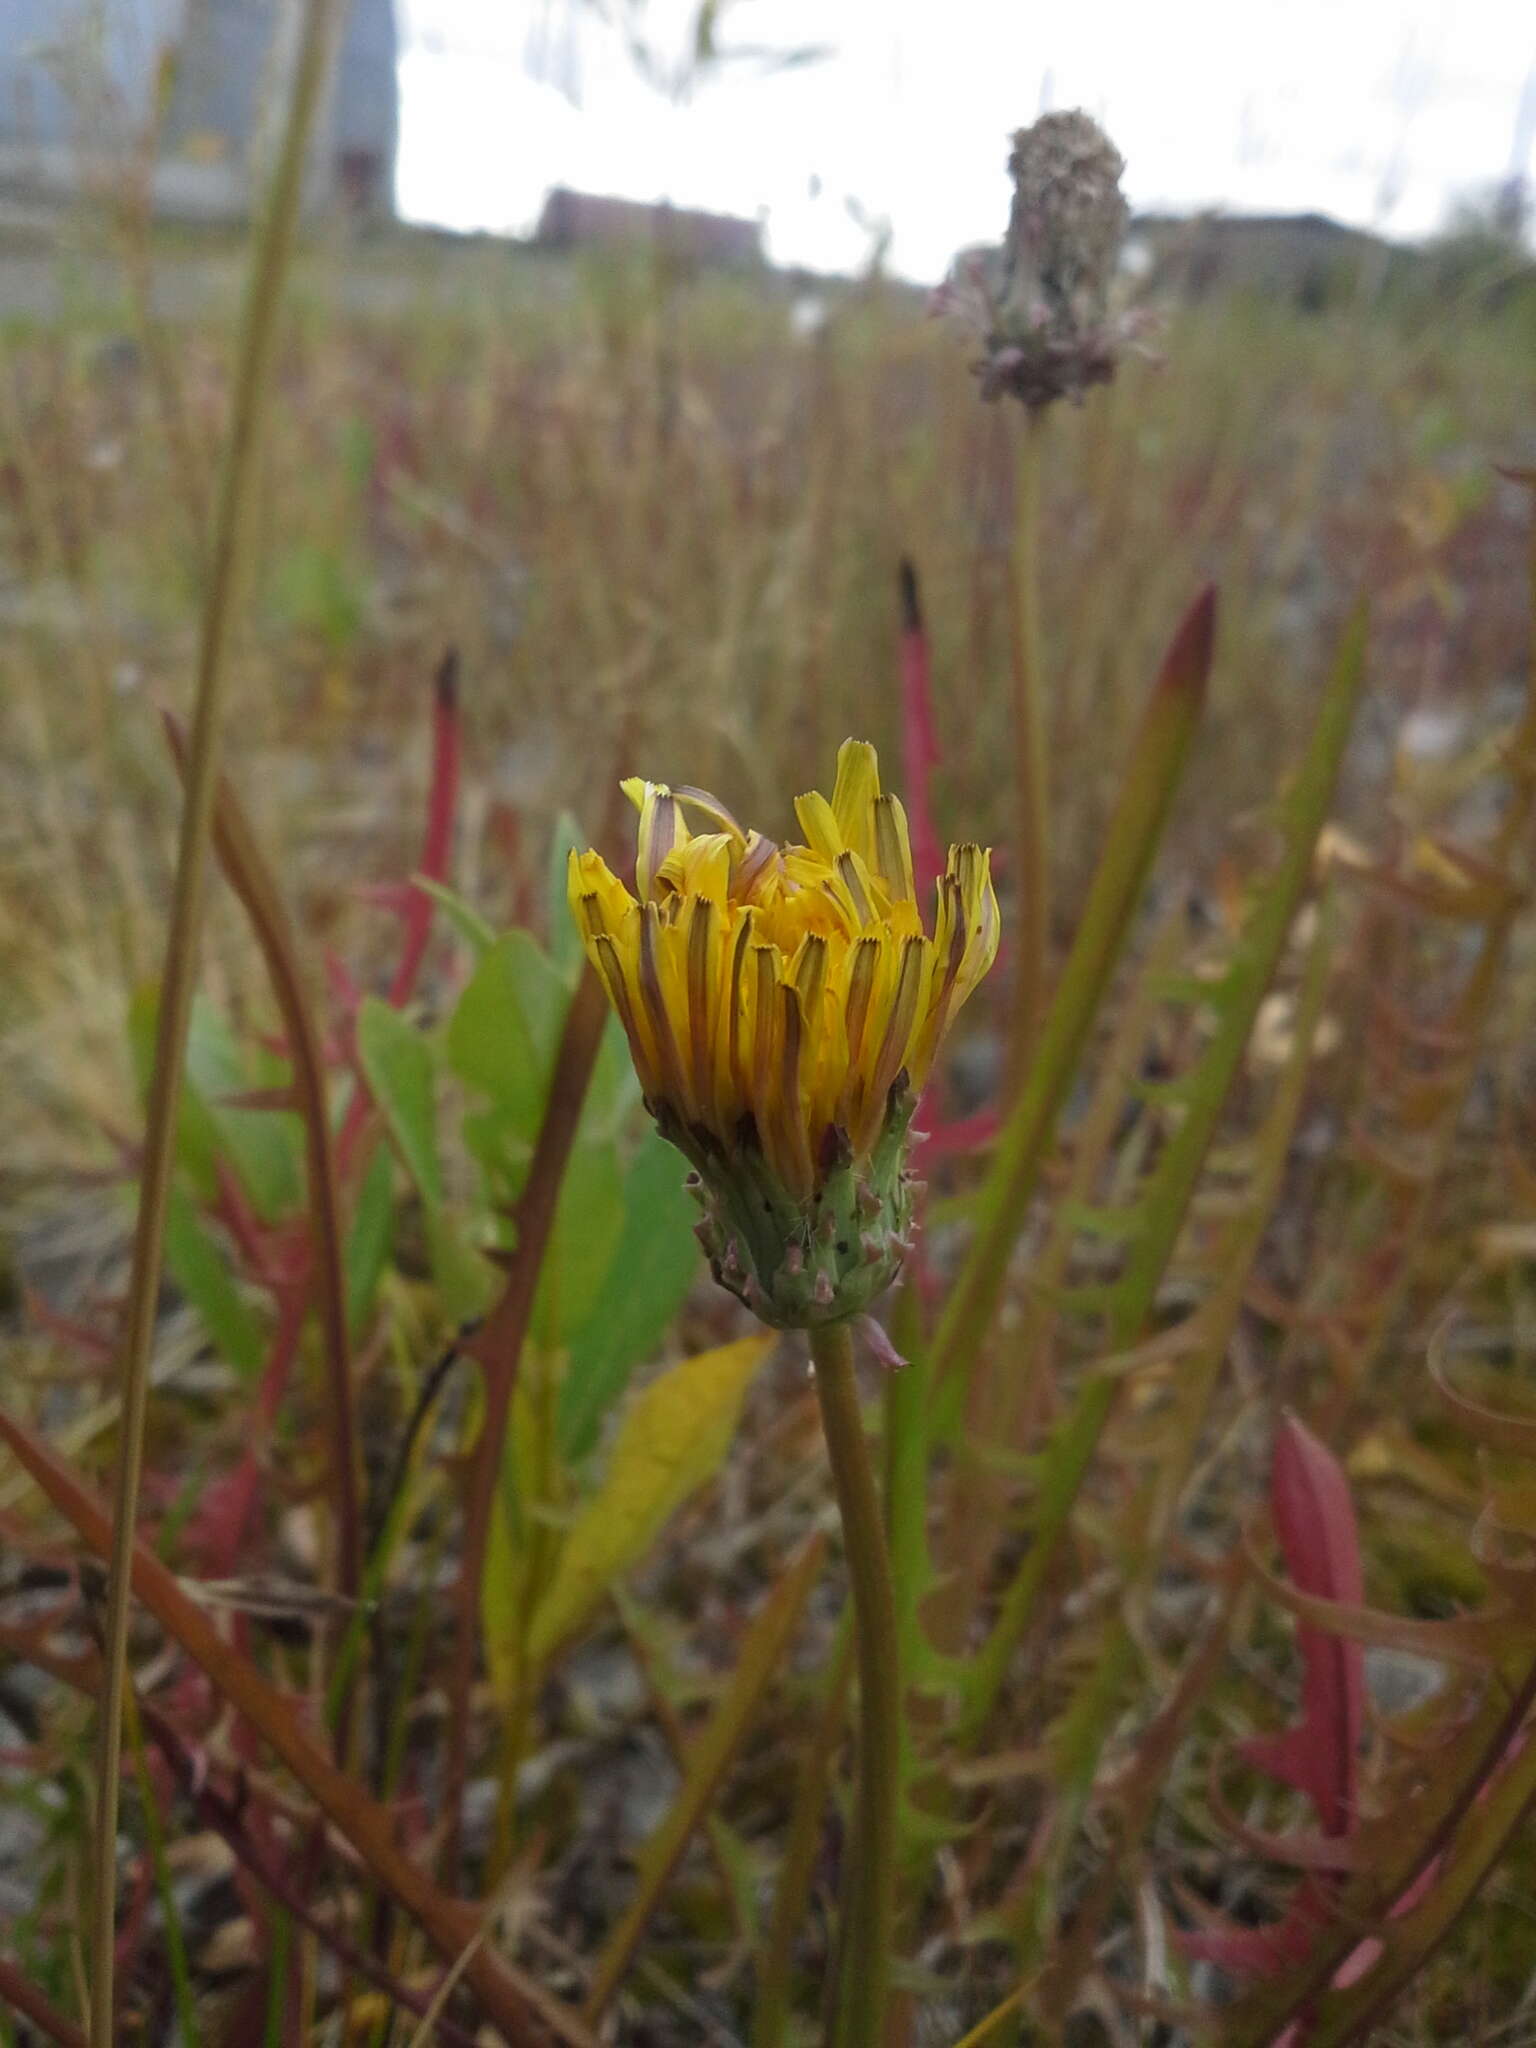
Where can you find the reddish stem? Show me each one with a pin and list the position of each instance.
(416, 906)
(920, 747)
(227, 1506)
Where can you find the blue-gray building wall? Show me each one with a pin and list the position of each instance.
(65, 65)
(80, 74)
(366, 113)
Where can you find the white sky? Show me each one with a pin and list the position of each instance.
(1380, 112)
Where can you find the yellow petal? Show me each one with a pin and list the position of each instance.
(620, 981)
(598, 898)
(735, 1025)
(789, 1143)
(703, 989)
(949, 934)
(702, 867)
(788, 987)
(972, 868)
(808, 972)
(860, 884)
(711, 808)
(657, 977)
(902, 1010)
(819, 823)
(765, 1020)
(853, 796)
(893, 849)
(661, 829)
(866, 979)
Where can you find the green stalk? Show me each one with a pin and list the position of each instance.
(154, 1832)
(1152, 775)
(259, 326)
(868, 1925)
(1165, 1202)
(1032, 836)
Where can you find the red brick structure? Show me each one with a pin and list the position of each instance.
(579, 220)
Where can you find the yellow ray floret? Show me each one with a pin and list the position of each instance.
(781, 992)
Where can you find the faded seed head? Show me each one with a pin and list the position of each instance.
(1040, 304)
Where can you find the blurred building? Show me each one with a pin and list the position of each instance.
(86, 86)
(578, 220)
(1304, 257)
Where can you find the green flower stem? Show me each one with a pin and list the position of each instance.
(1032, 849)
(869, 1887)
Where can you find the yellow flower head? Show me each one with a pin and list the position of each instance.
(783, 1007)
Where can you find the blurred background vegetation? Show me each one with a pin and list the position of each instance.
(623, 497)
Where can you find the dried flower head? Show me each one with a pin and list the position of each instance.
(783, 1006)
(1040, 304)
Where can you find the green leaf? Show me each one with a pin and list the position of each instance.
(613, 1094)
(503, 1588)
(398, 1064)
(652, 1268)
(315, 589)
(198, 1265)
(494, 1138)
(471, 927)
(465, 1278)
(266, 1145)
(401, 1072)
(367, 1250)
(502, 1036)
(211, 1056)
(262, 1146)
(589, 1222)
(674, 1437)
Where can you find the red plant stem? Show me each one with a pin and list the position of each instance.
(417, 906)
(1439, 1838)
(221, 1813)
(227, 1506)
(225, 1815)
(246, 869)
(524, 2012)
(920, 748)
(497, 1346)
(19, 1995)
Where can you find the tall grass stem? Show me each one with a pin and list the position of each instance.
(253, 372)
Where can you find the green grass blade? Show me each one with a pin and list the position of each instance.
(1156, 766)
(1177, 1174)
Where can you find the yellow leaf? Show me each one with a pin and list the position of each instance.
(674, 1437)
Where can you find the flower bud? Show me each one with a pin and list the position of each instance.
(783, 1006)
